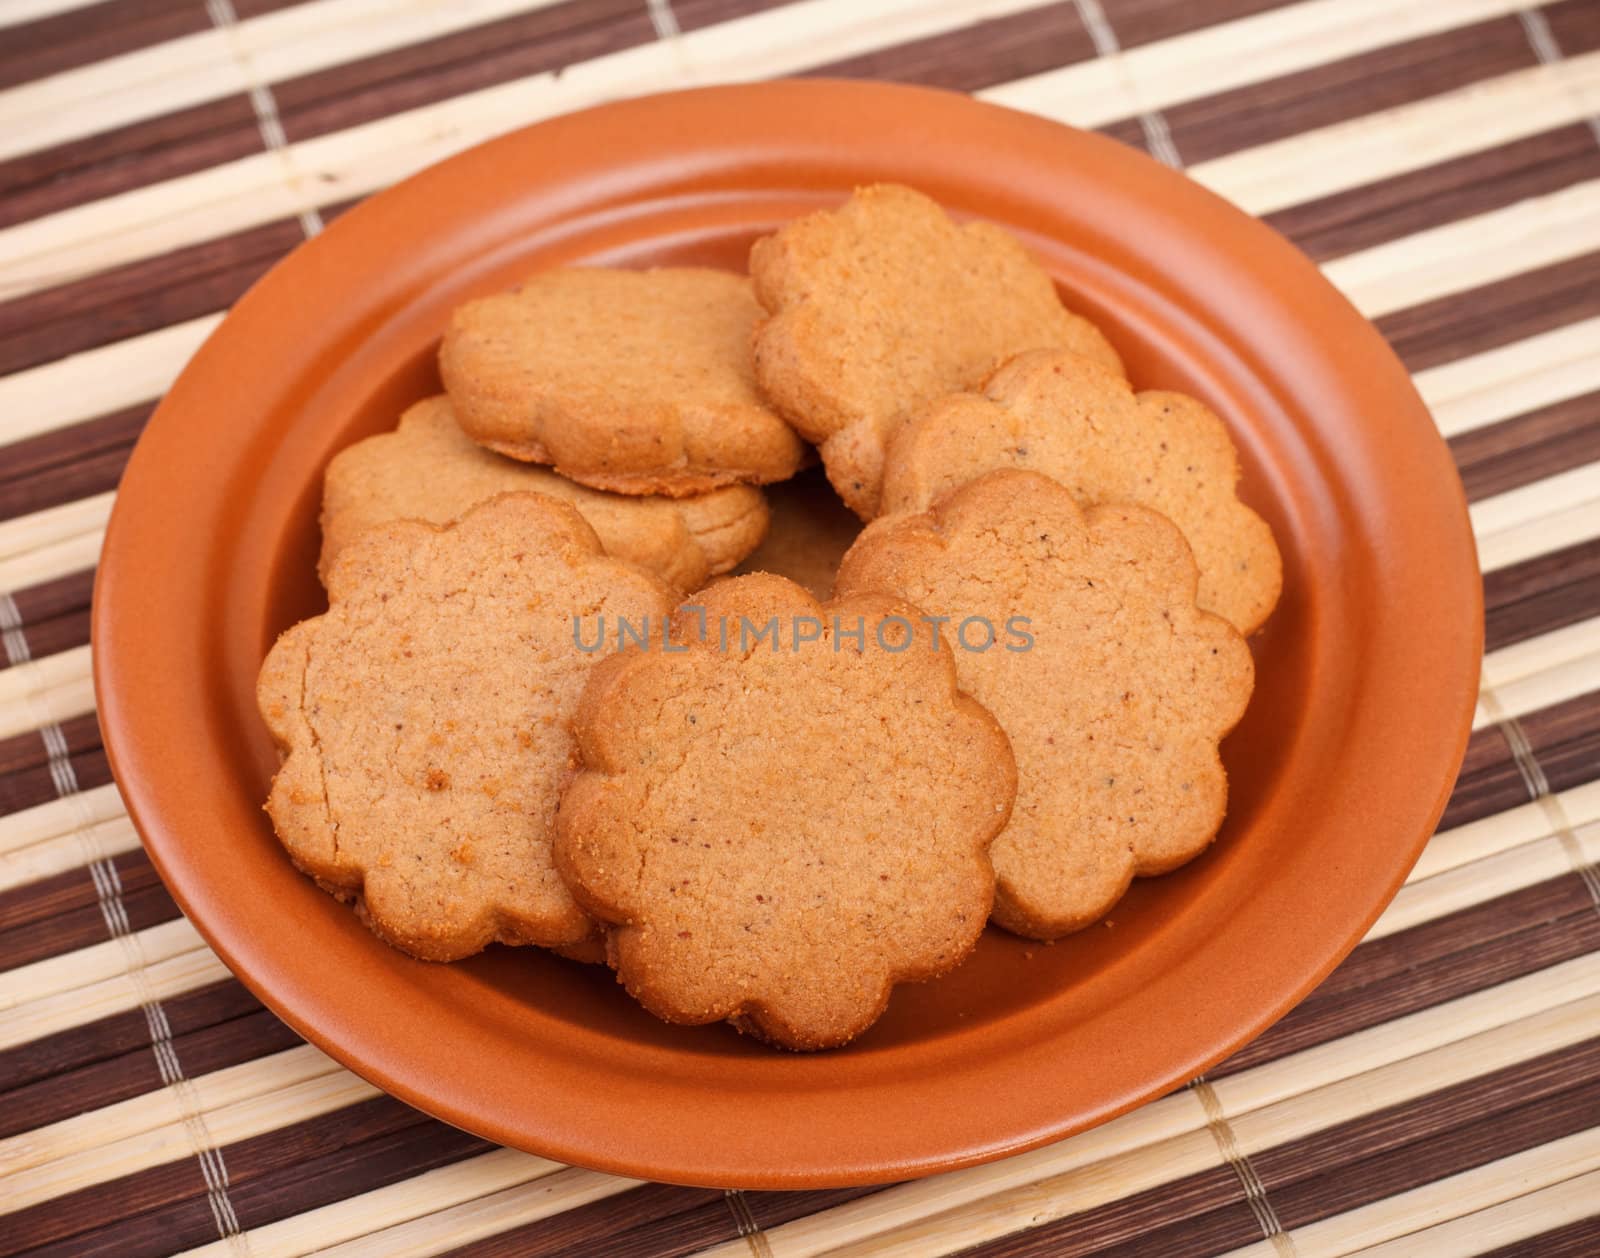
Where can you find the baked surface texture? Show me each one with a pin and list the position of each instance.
(884, 305)
(778, 836)
(1116, 709)
(639, 382)
(1055, 412)
(424, 722)
(428, 469)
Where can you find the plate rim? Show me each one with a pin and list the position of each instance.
(114, 654)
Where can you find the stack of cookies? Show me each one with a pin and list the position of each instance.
(527, 719)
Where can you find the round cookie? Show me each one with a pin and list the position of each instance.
(428, 469)
(1114, 709)
(423, 721)
(780, 832)
(883, 306)
(639, 382)
(1054, 412)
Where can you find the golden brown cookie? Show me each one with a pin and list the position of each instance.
(1071, 419)
(884, 305)
(639, 382)
(1115, 699)
(428, 469)
(781, 832)
(423, 721)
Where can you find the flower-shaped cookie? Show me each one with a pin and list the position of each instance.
(428, 469)
(883, 306)
(1114, 688)
(1060, 414)
(424, 721)
(779, 830)
(638, 382)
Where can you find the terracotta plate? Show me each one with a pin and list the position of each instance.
(1339, 772)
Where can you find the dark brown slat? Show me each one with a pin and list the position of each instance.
(1138, 22)
(1353, 1163)
(51, 636)
(64, 41)
(977, 56)
(1485, 925)
(217, 1047)
(68, 892)
(1575, 25)
(774, 1209)
(1430, 982)
(1193, 1217)
(121, 1033)
(1485, 318)
(1488, 782)
(139, 297)
(24, 764)
(339, 1155)
(82, 928)
(1348, 88)
(22, 751)
(60, 473)
(69, 463)
(102, 165)
(1529, 447)
(40, 1229)
(656, 1221)
(1415, 1142)
(272, 1176)
(1490, 180)
(246, 9)
(32, 785)
(54, 597)
(407, 78)
(1575, 1240)
(1541, 594)
(1129, 131)
(1566, 740)
(693, 14)
(1479, 1140)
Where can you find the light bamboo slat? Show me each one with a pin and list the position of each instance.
(359, 160)
(1451, 849)
(1429, 899)
(82, 1005)
(165, 1108)
(418, 1197)
(54, 976)
(1395, 141)
(1511, 1022)
(1504, 1224)
(485, 1216)
(1537, 371)
(59, 818)
(1230, 55)
(45, 691)
(97, 381)
(84, 846)
(1471, 252)
(1482, 1187)
(107, 1160)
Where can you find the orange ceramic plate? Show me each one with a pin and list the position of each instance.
(1339, 772)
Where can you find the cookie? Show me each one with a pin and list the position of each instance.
(1115, 700)
(883, 306)
(428, 469)
(423, 721)
(810, 531)
(639, 382)
(781, 832)
(1076, 422)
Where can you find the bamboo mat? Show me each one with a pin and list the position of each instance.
(1438, 1095)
